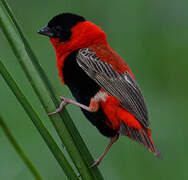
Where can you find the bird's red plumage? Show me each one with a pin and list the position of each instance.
(118, 108)
(107, 54)
(116, 113)
(87, 34)
(83, 34)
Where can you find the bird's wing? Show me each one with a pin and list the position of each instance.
(119, 85)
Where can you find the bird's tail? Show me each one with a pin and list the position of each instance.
(141, 136)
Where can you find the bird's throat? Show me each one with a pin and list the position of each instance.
(83, 35)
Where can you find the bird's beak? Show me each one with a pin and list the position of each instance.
(45, 31)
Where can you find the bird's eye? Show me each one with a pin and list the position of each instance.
(58, 29)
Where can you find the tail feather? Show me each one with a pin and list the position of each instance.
(142, 137)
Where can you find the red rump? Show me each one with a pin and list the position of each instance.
(128, 118)
(116, 113)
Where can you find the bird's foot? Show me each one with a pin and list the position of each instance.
(64, 102)
(96, 163)
(112, 141)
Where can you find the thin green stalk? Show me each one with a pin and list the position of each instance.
(63, 124)
(38, 124)
(18, 149)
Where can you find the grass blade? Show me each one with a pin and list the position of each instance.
(63, 124)
(38, 124)
(18, 149)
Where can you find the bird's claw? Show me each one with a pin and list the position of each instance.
(95, 163)
(61, 106)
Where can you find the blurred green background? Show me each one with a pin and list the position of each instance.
(152, 37)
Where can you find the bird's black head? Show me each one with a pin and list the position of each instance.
(60, 26)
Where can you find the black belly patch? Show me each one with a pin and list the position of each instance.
(83, 89)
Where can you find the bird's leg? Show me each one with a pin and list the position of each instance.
(93, 107)
(112, 141)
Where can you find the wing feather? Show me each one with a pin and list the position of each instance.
(119, 85)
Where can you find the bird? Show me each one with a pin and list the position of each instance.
(101, 82)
